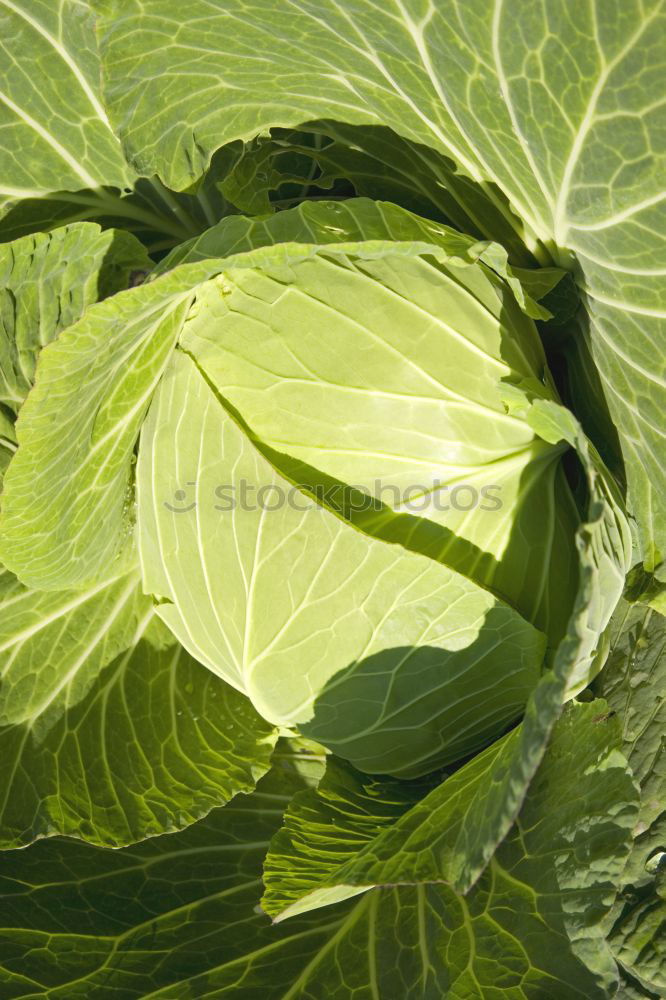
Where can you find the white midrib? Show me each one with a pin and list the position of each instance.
(416, 33)
(189, 641)
(601, 331)
(614, 220)
(87, 179)
(561, 223)
(100, 634)
(165, 312)
(608, 264)
(367, 51)
(423, 938)
(61, 611)
(249, 602)
(65, 56)
(345, 927)
(504, 88)
(629, 307)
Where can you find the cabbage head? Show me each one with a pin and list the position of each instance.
(345, 505)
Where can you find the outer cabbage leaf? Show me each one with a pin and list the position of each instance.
(159, 217)
(55, 131)
(634, 683)
(66, 506)
(381, 836)
(553, 106)
(604, 543)
(388, 831)
(177, 915)
(48, 281)
(320, 625)
(193, 894)
(110, 731)
(60, 160)
(327, 826)
(638, 937)
(172, 912)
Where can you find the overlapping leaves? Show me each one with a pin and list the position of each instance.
(557, 120)
(258, 350)
(108, 729)
(189, 925)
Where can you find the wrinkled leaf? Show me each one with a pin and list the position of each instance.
(354, 832)
(109, 731)
(634, 684)
(383, 838)
(48, 281)
(49, 52)
(188, 924)
(66, 506)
